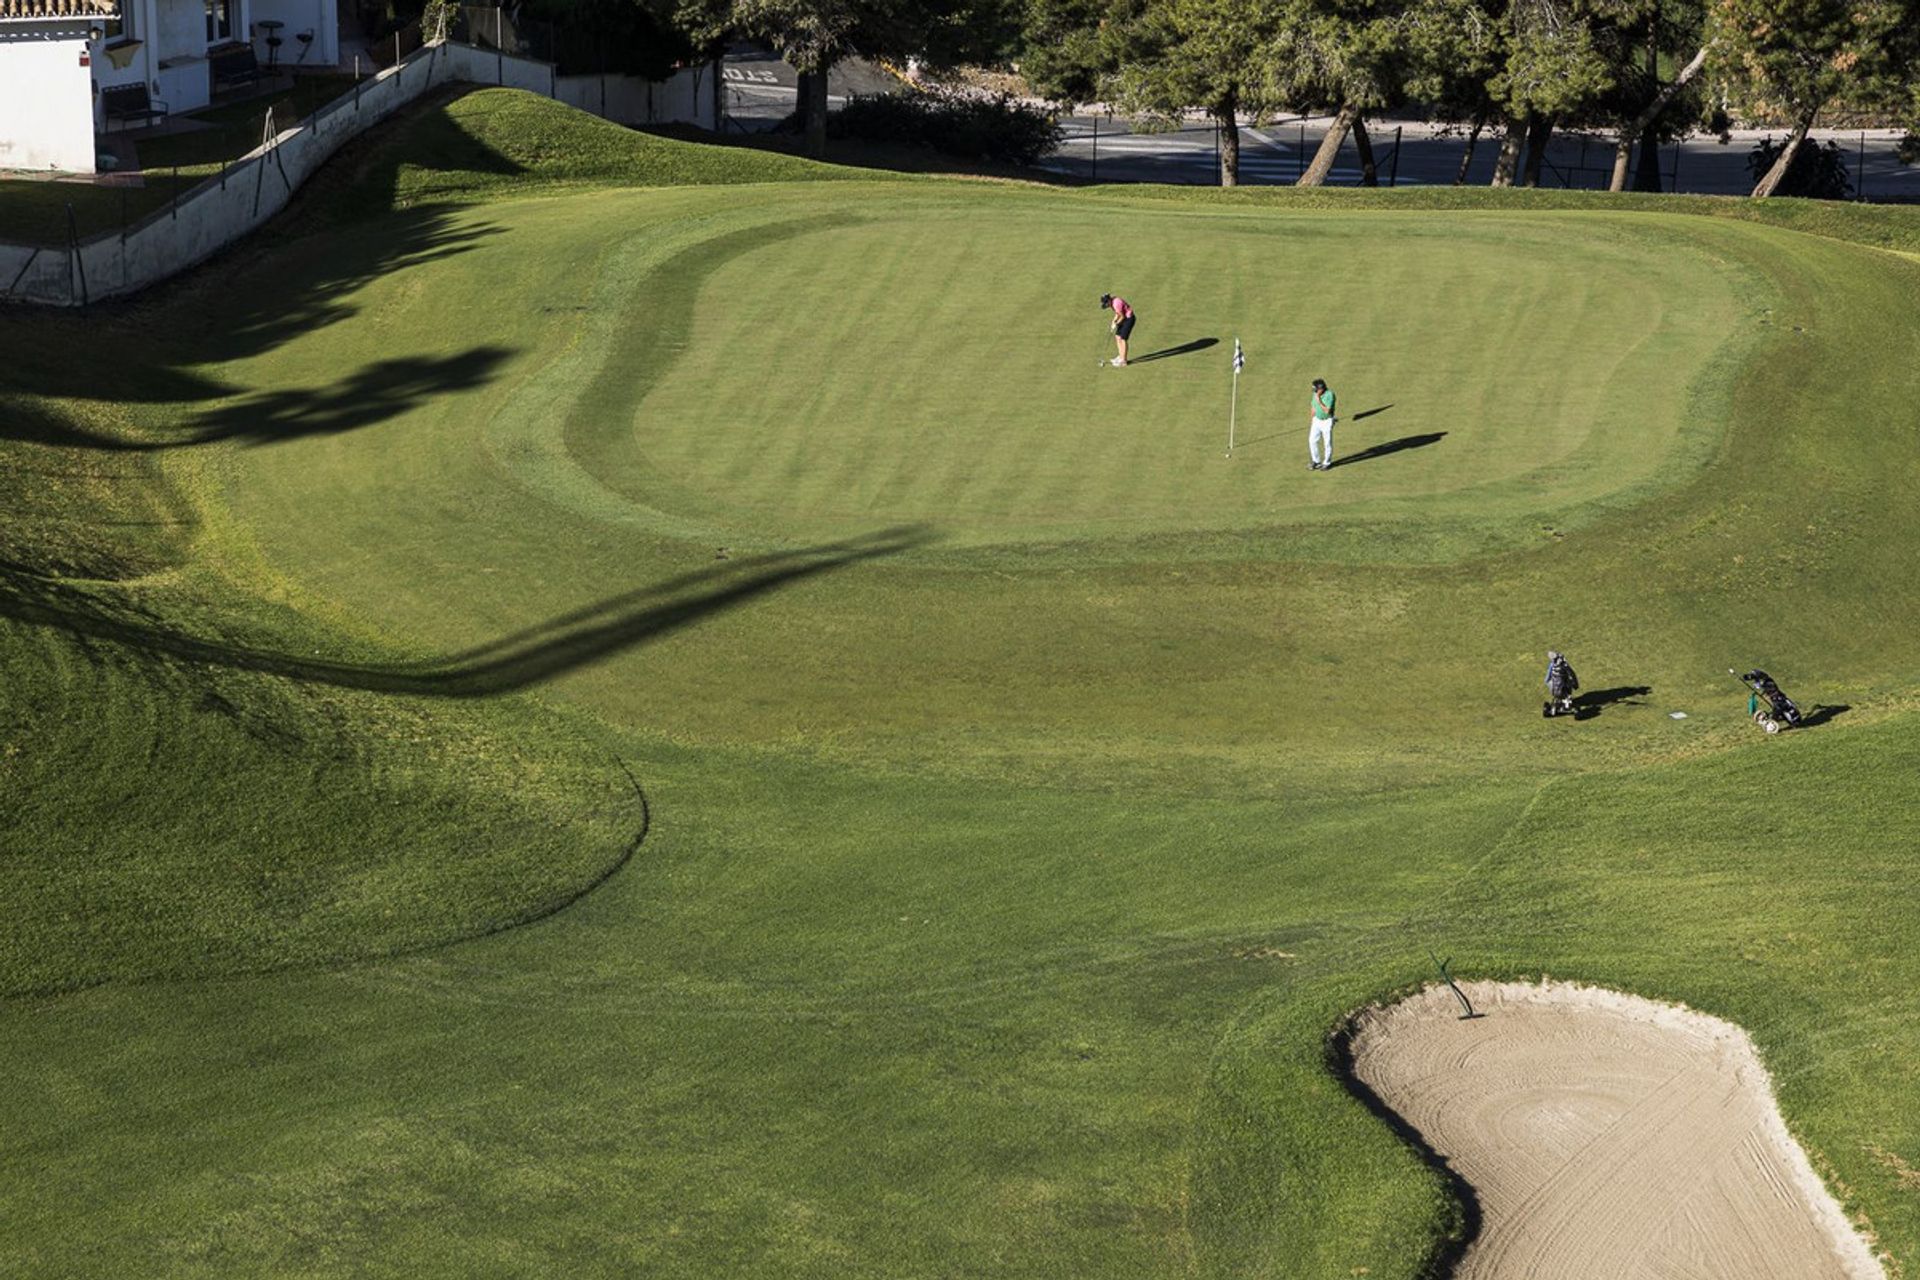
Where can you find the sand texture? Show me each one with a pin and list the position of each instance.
(1606, 1136)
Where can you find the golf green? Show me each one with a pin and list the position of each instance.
(813, 364)
(667, 717)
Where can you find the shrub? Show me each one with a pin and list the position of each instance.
(987, 128)
(1819, 171)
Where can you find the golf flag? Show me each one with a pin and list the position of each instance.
(1233, 405)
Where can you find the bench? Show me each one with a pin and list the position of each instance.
(233, 67)
(125, 102)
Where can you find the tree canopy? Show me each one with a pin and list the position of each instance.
(1643, 71)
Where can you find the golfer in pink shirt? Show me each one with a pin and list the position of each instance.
(1122, 326)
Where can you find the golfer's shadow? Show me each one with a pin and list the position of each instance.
(1587, 705)
(1391, 446)
(1185, 348)
(1371, 453)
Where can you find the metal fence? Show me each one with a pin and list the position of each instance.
(1259, 162)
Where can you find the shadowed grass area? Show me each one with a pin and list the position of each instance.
(1030, 792)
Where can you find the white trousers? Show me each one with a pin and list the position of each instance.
(1320, 440)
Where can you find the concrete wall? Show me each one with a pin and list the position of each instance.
(687, 98)
(180, 31)
(46, 97)
(220, 211)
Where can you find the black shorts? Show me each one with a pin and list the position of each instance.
(1123, 329)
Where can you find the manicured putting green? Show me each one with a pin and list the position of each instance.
(760, 371)
(948, 372)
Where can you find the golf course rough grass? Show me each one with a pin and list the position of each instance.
(1029, 790)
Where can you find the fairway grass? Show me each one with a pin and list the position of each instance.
(616, 708)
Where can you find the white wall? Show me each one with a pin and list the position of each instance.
(46, 101)
(142, 22)
(686, 98)
(631, 100)
(221, 210)
(181, 31)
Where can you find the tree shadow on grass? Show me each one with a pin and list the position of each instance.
(152, 350)
(508, 664)
(1391, 446)
(1589, 704)
(1185, 348)
(382, 390)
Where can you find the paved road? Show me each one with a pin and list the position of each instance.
(1108, 150)
(760, 90)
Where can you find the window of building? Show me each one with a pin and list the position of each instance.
(219, 20)
(117, 26)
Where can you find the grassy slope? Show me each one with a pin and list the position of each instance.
(1035, 980)
(165, 817)
(479, 145)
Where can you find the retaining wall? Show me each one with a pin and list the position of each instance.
(260, 184)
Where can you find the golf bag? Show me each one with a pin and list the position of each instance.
(1771, 709)
(1561, 685)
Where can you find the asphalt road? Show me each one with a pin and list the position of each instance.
(760, 92)
(760, 88)
(1106, 149)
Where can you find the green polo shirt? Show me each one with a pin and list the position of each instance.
(1323, 403)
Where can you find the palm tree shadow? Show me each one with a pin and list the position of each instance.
(1588, 705)
(154, 349)
(381, 390)
(375, 393)
(1391, 446)
(508, 664)
(1185, 348)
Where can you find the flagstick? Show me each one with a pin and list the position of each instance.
(1233, 411)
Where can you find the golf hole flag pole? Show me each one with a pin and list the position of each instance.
(1233, 405)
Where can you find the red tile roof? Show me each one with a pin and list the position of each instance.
(26, 10)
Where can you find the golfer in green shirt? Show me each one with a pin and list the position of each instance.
(1320, 432)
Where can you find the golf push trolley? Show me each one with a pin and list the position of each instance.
(1771, 709)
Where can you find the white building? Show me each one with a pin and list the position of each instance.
(57, 56)
(46, 84)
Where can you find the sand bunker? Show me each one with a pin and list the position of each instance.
(1606, 1136)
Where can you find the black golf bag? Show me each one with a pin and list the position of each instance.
(1561, 685)
(1771, 709)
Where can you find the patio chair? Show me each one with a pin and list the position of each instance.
(124, 102)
